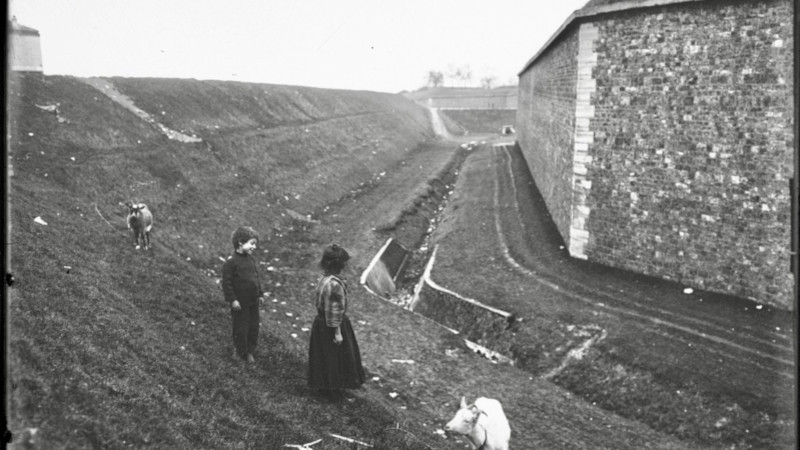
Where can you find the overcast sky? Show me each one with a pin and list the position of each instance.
(376, 45)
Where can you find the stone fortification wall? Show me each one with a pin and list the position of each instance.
(681, 145)
(546, 122)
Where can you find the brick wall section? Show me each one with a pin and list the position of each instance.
(546, 125)
(692, 144)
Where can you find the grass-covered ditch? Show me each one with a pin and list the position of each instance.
(109, 347)
(412, 230)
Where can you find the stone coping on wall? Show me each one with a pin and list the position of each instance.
(585, 13)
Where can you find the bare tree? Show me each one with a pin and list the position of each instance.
(453, 73)
(461, 73)
(435, 78)
(465, 75)
(487, 82)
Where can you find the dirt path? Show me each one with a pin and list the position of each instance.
(735, 354)
(438, 124)
(746, 332)
(108, 89)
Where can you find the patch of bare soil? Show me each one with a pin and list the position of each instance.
(108, 89)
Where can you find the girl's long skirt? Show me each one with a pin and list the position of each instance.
(330, 365)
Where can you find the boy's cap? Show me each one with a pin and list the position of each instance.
(242, 235)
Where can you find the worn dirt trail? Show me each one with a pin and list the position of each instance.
(727, 330)
(720, 346)
(438, 124)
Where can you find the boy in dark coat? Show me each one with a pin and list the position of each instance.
(241, 285)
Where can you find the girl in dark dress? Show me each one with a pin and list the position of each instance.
(334, 360)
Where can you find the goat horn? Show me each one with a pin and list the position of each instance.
(476, 409)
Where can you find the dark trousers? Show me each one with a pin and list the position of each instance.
(245, 329)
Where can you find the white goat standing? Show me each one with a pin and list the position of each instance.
(140, 220)
(483, 422)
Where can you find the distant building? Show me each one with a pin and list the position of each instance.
(504, 97)
(24, 47)
(660, 133)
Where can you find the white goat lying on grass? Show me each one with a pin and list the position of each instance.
(140, 220)
(483, 422)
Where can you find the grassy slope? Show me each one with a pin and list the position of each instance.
(98, 330)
